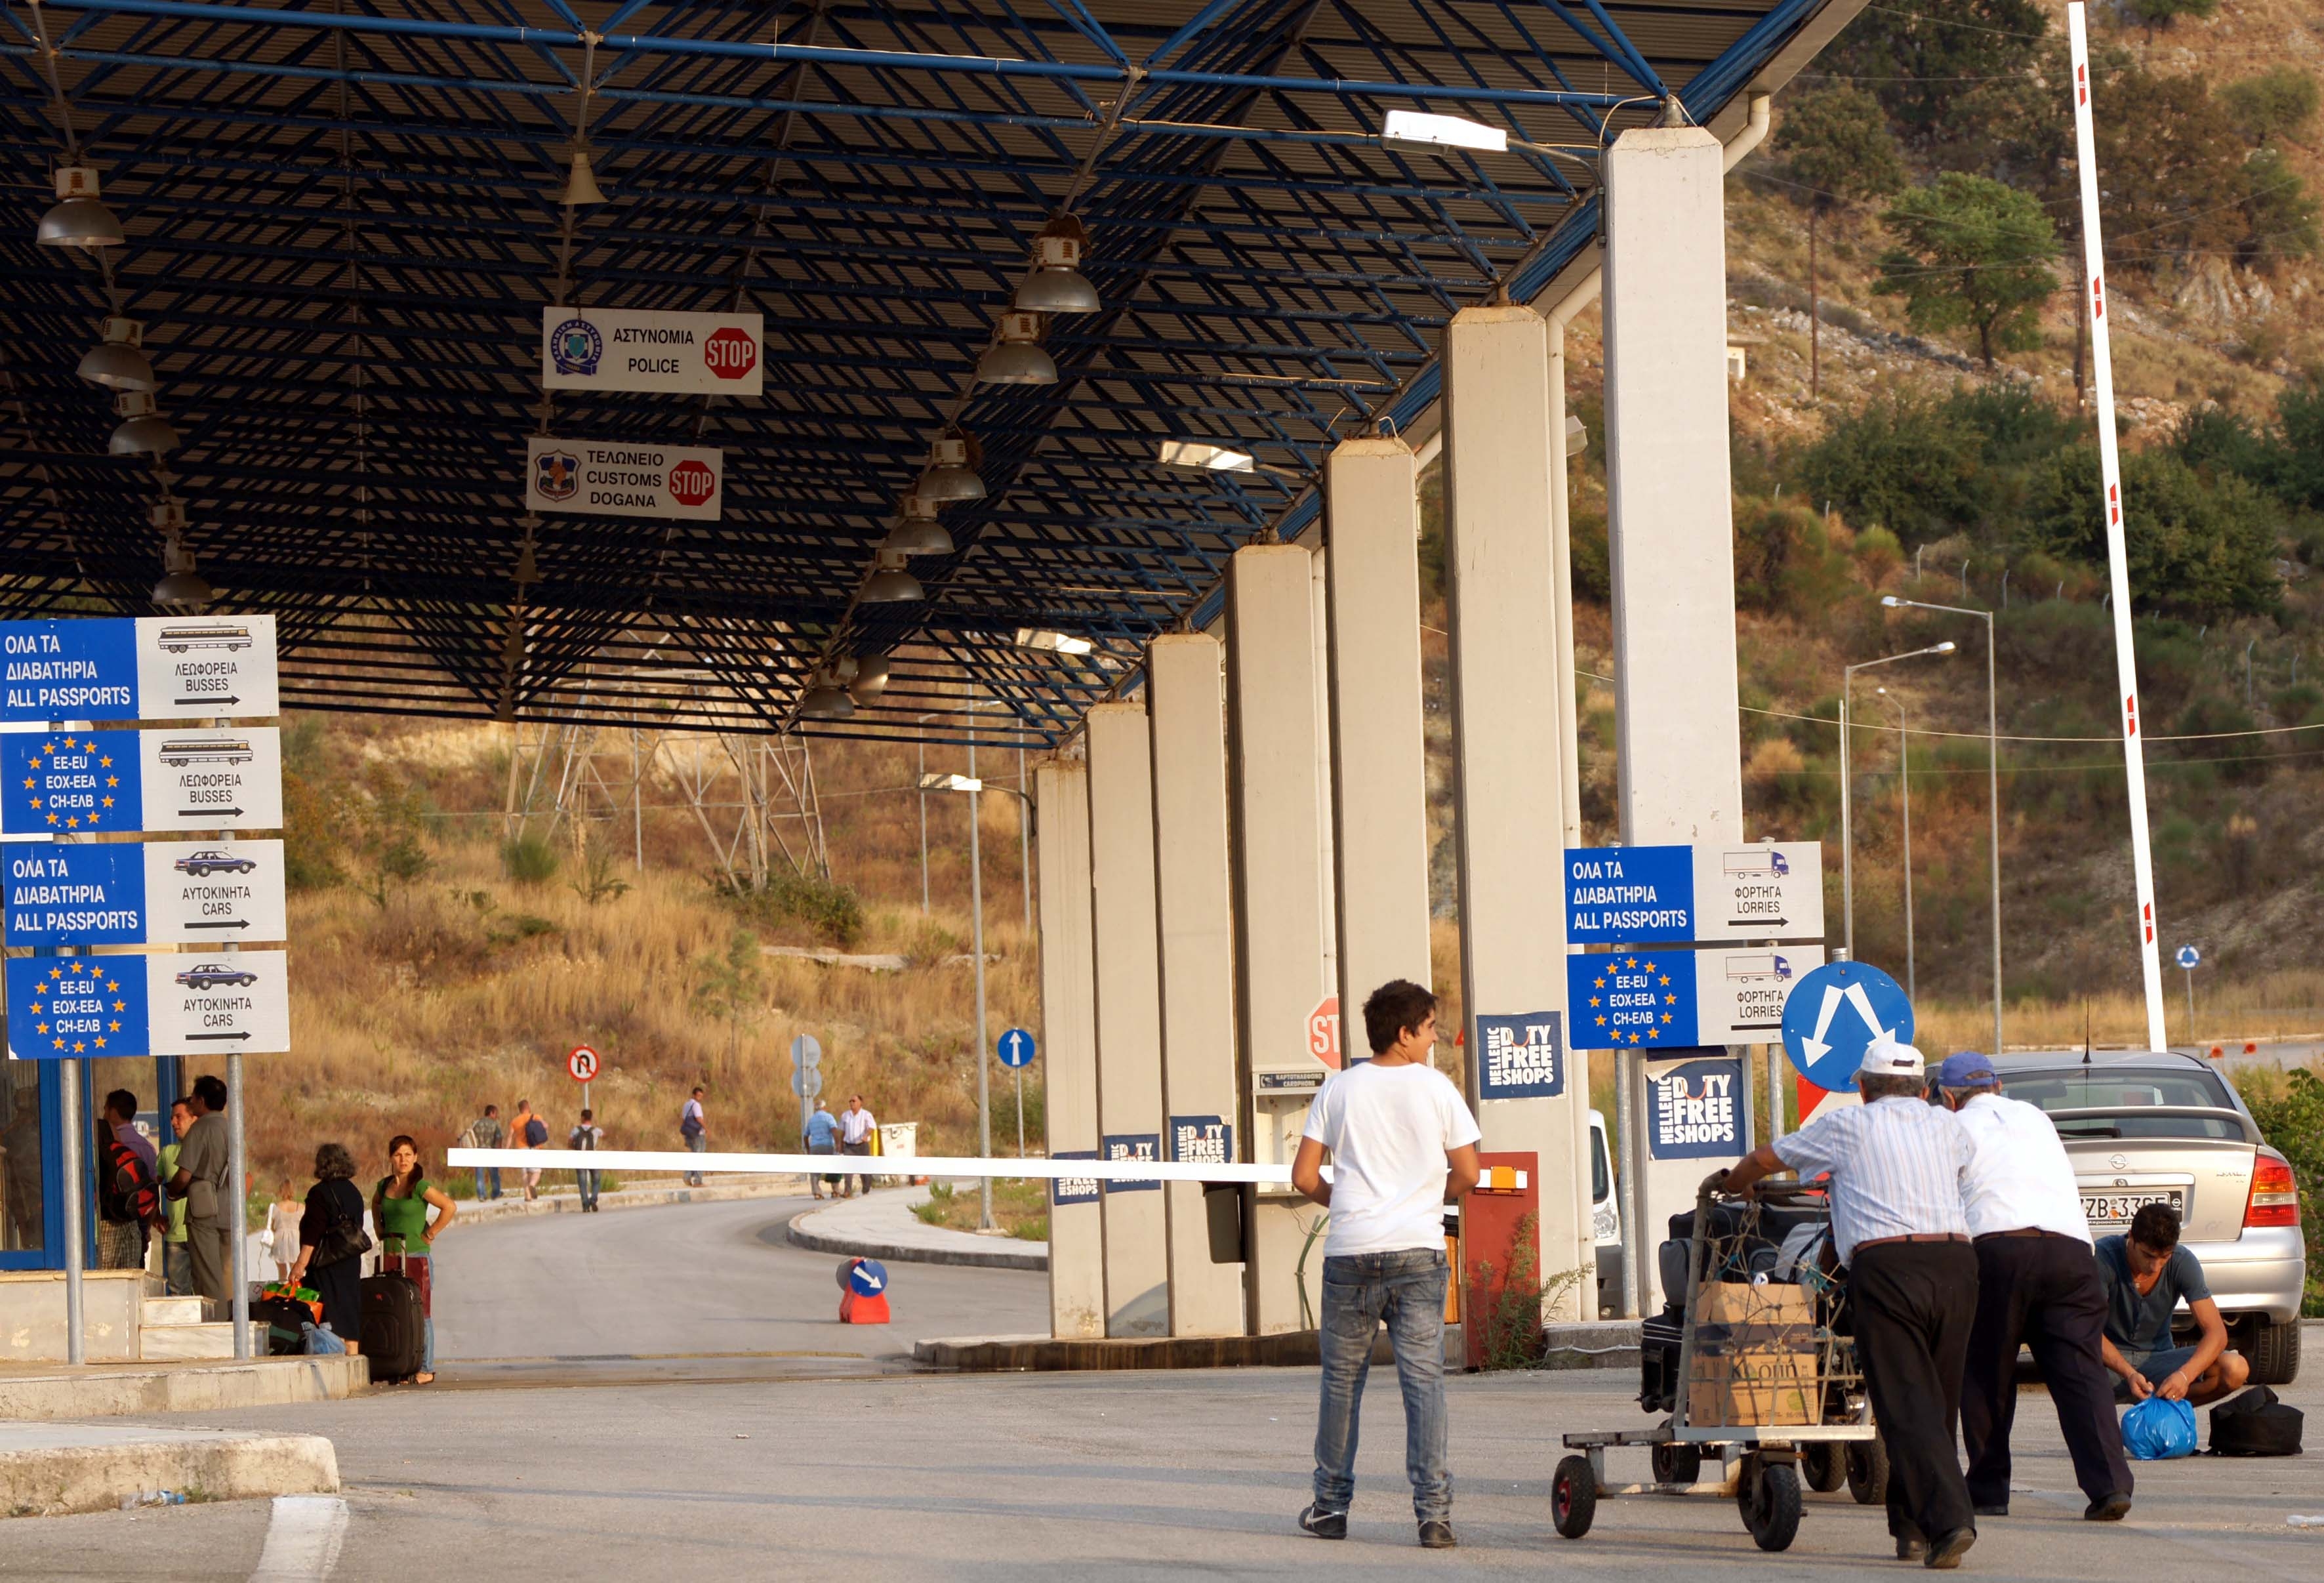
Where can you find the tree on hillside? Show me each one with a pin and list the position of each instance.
(1972, 254)
(2202, 547)
(2173, 168)
(2279, 216)
(1926, 64)
(1838, 150)
(2276, 104)
(729, 986)
(2153, 14)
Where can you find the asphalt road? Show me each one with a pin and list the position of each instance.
(1090, 1477)
(688, 1291)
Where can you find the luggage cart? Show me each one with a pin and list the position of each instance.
(1800, 1324)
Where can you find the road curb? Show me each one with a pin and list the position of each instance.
(53, 1469)
(110, 1390)
(819, 1241)
(471, 1213)
(1045, 1355)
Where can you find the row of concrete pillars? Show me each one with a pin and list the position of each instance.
(1250, 837)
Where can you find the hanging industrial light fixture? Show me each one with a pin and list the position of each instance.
(890, 584)
(1017, 358)
(581, 188)
(141, 433)
(78, 219)
(823, 701)
(870, 679)
(1056, 284)
(919, 533)
(181, 585)
(117, 362)
(952, 471)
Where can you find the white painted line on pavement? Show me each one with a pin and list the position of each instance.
(690, 1162)
(302, 1540)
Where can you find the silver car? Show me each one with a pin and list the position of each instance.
(2158, 1127)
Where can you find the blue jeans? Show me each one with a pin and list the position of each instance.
(484, 1173)
(1407, 1288)
(588, 1181)
(699, 1144)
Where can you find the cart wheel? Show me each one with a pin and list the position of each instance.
(1574, 1498)
(1677, 1462)
(1868, 1471)
(1772, 1510)
(1823, 1468)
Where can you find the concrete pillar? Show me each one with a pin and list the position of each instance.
(1185, 704)
(1671, 523)
(1379, 771)
(1275, 779)
(1069, 1049)
(1129, 1015)
(1510, 787)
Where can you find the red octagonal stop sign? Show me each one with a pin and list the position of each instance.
(691, 483)
(1324, 1032)
(730, 353)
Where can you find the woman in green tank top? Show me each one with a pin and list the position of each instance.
(398, 1208)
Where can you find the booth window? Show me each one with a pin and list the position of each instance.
(21, 1207)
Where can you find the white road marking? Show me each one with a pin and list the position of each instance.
(302, 1540)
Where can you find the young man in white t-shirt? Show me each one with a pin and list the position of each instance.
(1403, 1146)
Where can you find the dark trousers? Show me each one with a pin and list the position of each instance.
(2045, 1292)
(1914, 1302)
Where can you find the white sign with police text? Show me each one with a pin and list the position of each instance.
(621, 348)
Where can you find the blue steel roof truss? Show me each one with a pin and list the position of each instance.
(342, 228)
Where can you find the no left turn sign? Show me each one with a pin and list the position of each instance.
(582, 1063)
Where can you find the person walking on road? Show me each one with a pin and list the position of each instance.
(202, 1179)
(855, 1138)
(528, 1130)
(398, 1208)
(485, 1133)
(177, 1267)
(282, 1217)
(821, 1135)
(1899, 1167)
(2036, 1282)
(1403, 1146)
(695, 1128)
(332, 1244)
(586, 1135)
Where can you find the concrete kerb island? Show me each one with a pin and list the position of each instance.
(881, 1225)
(54, 1470)
(56, 1392)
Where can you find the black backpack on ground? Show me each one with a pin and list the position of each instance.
(394, 1327)
(279, 1320)
(2255, 1424)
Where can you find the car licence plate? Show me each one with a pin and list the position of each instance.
(2116, 1208)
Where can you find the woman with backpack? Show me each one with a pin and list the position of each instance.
(398, 1208)
(332, 1244)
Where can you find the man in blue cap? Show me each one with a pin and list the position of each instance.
(2036, 1282)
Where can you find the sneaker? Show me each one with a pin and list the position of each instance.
(1993, 1509)
(1946, 1553)
(2111, 1508)
(1910, 1550)
(1324, 1524)
(1437, 1534)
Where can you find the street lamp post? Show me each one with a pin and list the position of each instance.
(1904, 789)
(1992, 781)
(1847, 825)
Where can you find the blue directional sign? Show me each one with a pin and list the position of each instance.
(867, 1278)
(75, 782)
(150, 668)
(68, 670)
(1833, 1016)
(1016, 1048)
(1631, 1000)
(56, 785)
(2189, 958)
(58, 895)
(79, 1007)
(1629, 895)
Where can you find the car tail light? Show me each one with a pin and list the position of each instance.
(2274, 1194)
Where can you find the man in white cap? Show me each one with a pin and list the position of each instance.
(1899, 1167)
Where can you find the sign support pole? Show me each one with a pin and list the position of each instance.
(2133, 755)
(76, 1347)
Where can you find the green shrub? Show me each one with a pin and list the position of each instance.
(2276, 103)
(2279, 215)
(2291, 1116)
(529, 860)
(1903, 462)
(2197, 548)
(832, 910)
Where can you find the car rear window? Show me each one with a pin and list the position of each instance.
(2126, 1093)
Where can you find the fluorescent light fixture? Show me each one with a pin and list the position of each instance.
(1411, 129)
(1196, 453)
(1030, 637)
(933, 781)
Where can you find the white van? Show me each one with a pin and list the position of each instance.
(1605, 1218)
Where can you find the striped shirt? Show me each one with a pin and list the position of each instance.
(1899, 1167)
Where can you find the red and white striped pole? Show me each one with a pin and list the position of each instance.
(2133, 751)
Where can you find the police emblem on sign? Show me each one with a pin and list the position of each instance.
(575, 346)
(556, 475)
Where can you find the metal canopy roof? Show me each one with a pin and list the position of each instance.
(342, 220)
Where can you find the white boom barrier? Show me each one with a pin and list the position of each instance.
(686, 1161)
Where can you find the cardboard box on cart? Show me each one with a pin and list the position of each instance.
(1755, 1359)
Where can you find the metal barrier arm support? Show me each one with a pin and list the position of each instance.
(681, 1162)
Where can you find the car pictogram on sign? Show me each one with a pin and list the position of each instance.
(211, 975)
(202, 865)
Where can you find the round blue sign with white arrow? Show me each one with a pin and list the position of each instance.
(1834, 1014)
(1016, 1048)
(2189, 958)
(867, 1278)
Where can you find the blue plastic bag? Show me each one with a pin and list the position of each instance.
(321, 1339)
(2156, 1431)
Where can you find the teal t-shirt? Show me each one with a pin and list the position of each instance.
(2140, 1321)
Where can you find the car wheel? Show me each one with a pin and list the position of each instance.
(2274, 1352)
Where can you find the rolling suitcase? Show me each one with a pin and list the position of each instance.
(394, 1335)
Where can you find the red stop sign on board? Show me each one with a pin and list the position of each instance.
(1324, 1032)
(691, 483)
(730, 353)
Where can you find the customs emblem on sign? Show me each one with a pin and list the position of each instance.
(575, 346)
(558, 475)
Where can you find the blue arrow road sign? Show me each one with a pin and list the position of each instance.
(1834, 1015)
(1016, 1048)
(2189, 958)
(1631, 1000)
